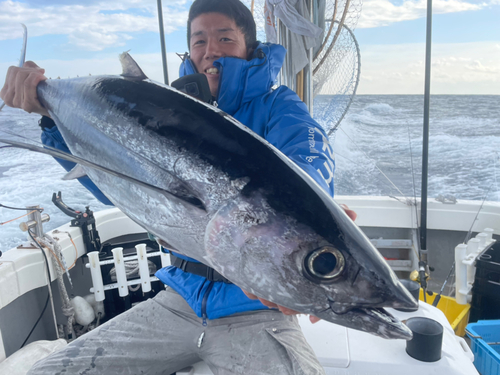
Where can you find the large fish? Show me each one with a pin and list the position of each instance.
(225, 197)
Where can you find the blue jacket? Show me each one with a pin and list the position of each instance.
(52, 137)
(279, 116)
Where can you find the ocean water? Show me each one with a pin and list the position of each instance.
(382, 135)
(374, 139)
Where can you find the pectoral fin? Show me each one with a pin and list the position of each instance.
(77, 172)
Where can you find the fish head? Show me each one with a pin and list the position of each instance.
(339, 276)
(354, 279)
(354, 289)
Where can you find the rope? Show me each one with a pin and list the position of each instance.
(17, 218)
(60, 255)
(337, 33)
(74, 246)
(48, 248)
(132, 269)
(18, 208)
(67, 309)
(329, 30)
(47, 269)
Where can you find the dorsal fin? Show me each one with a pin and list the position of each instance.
(131, 69)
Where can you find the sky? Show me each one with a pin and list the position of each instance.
(74, 38)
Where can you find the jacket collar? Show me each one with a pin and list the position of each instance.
(243, 80)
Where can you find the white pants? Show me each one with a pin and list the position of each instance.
(163, 335)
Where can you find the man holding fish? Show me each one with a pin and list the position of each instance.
(199, 318)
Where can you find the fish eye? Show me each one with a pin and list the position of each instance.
(324, 264)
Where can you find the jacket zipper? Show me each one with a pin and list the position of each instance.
(204, 303)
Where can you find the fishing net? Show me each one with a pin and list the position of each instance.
(336, 74)
(336, 63)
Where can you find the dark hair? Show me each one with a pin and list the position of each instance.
(233, 9)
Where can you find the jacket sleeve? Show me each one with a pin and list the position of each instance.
(294, 132)
(51, 137)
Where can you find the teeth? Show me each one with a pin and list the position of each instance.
(212, 71)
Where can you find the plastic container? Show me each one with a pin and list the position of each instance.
(487, 278)
(484, 307)
(490, 259)
(485, 344)
(486, 289)
(457, 315)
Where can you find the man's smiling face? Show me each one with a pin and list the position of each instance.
(213, 35)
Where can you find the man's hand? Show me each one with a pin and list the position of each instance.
(353, 215)
(283, 309)
(19, 90)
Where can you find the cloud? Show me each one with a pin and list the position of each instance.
(93, 26)
(378, 13)
(478, 67)
(150, 63)
(458, 68)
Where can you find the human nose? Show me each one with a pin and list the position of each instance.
(212, 51)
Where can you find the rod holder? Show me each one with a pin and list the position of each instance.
(483, 239)
(121, 275)
(95, 272)
(489, 233)
(143, 267)
(461, 274)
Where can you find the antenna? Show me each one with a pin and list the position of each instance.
(162, 40)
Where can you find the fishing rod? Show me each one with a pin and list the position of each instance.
(422, 266)
(469, 233)
(425, 152)
(438, 297)
(466, 240)
(22, 58)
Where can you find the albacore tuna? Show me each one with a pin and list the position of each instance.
(225, 197)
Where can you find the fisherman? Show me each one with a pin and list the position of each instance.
(199, 318)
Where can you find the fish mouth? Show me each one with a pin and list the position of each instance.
(390, 327)
(374, 320)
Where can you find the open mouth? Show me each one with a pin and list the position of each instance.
(212, 70)
(387, 325)
(376, 320)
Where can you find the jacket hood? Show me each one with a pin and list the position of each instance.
(243, 80)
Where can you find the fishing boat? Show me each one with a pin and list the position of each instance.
(25, 298)
(36, 316)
